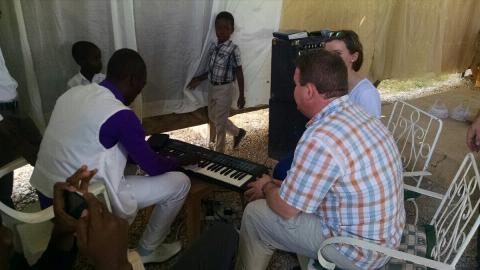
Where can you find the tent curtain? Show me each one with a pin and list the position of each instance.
(401, 38)
(172, 37)
(123, 23)
(45, 63)
(175, 49)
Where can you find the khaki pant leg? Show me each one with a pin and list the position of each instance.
(220, 99)
(263, 231)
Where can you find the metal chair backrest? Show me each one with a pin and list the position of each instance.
(457, 218)
(416, 133)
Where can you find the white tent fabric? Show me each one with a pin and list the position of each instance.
(172, 36)
(175, 50)
(123, 23)
(32, 84)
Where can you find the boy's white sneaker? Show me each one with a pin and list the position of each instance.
(163, 252)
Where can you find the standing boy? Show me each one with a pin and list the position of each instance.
(224, 66)
(89, 58)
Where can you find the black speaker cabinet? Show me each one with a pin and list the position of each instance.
(286, 123)
(283, 68)
(286, 126)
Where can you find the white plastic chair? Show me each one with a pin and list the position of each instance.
(416, 133)
(32, 230)
(454, 224)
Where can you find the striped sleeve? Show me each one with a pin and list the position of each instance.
(237, 61)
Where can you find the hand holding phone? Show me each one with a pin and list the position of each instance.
(74, 203)
(103, 237)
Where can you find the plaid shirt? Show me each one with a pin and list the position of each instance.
(348, 171)
(222, 61)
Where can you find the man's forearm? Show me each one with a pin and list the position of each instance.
(279, 206)
(277, 182)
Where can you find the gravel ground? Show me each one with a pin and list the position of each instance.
(453, 81)
(254, 148)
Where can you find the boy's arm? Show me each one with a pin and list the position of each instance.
(197, 80)
(241, 97)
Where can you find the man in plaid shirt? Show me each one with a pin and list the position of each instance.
(345, 180)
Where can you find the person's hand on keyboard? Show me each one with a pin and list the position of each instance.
(188, 159)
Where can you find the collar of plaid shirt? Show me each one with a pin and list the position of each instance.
(327, 110)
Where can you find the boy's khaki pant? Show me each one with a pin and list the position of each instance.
(219, 102)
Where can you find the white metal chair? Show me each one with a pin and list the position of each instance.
(32, 230)
(416, 133)
(445, 238)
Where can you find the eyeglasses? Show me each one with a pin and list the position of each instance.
(327, 34)
(348, 37)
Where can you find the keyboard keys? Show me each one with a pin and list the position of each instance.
(224, 170)
(210, 168)
(213, 165)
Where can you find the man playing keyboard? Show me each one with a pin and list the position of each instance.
(93, 125)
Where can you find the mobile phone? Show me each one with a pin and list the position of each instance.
(74, 204)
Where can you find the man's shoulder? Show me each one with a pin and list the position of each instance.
(92, 91)
(352, 111)
(75, 80)
(98, 78)
(347, 118)
(353, 124)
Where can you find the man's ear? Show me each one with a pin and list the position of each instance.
(311, 91)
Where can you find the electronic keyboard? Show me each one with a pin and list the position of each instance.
(230, 172)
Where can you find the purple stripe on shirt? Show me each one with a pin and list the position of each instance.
(125, 128)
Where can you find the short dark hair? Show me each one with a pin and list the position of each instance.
(124, 63)
(325, 70)
(227, 16)
(81, 49)
(353, 45)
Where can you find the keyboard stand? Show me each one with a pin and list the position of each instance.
(194, 215)
(193, 207)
